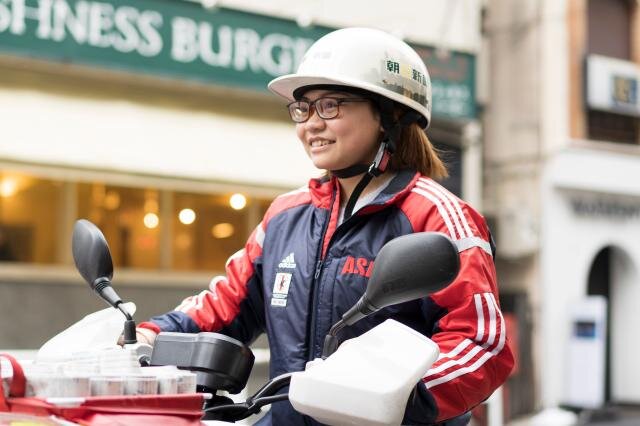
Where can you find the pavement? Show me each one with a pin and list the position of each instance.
(615, 415)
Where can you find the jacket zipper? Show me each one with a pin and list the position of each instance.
(316, 274)
(318, 271)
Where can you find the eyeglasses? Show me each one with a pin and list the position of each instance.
(326, 107)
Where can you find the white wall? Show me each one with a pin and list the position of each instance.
(571, 242)
(625, 295)
(454, 24)
(125, 136)
(525, 117)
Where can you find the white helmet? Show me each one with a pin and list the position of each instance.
(366, 59)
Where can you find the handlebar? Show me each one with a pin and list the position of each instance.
(264, 396)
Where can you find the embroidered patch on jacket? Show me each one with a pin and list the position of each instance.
(280, 289)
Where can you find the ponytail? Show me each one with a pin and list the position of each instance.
(415, 151)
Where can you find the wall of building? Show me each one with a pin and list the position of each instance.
(591, 203)
(525, 123)
(539, 167)
(140, 134)
(452, 24)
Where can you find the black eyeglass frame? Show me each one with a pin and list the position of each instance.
(311, 104)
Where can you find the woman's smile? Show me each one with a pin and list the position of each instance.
(352, 137)
(320, 142)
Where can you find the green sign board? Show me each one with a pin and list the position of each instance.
(453, 82)
(182, 40)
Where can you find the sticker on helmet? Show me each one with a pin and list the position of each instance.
(404, 80)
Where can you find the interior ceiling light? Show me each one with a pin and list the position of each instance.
(222, 230)
(151, 220)
(187, 216)
(238, 201)
(8, 187)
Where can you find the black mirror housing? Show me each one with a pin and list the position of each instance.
(407, 268)
(91, 253)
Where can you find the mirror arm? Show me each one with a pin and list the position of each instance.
(129, 326)
(360, 310)
(129, 332)
(331, 342)
(102, 286)
(126, 314)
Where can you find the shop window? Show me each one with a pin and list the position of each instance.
(607, 126)
(193, 231)
(609, 34)
(208, 229)
(30, 211)
(122, 215)
(609, 28)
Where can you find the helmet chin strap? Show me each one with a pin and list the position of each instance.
(392, 129)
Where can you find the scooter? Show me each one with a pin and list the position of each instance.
(364, 380)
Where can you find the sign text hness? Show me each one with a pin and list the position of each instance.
(149, 33)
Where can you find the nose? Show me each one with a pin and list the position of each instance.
(314, 121)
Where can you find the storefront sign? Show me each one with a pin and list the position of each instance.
(612, 85)
(600, 207)
(168, 38)
(453, 79)
(182, 40)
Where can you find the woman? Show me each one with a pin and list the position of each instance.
(360, 100)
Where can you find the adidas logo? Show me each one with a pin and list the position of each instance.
(288, 262)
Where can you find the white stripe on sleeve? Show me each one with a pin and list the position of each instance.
(441, 210)
(478, 300)
(493, 314)
(456, 203)
(492, 321)
(447, 203)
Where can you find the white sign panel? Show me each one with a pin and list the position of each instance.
(612, 85)
(587, 353)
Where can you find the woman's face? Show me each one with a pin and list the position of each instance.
(350, 138)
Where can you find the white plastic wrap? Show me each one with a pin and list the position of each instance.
(96, 331)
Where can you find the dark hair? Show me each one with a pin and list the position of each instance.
(415, 151)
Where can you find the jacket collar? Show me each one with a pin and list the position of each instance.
(322, 190)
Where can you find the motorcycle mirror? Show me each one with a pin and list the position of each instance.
(407, 268)
(92, 257)
(91, 253)
(93, 260)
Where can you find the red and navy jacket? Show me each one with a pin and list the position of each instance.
(300, 271)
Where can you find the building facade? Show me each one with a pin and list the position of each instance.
(562, 166)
